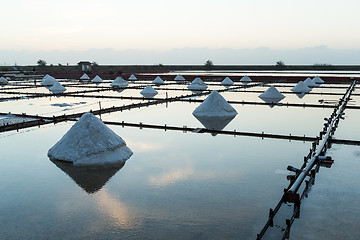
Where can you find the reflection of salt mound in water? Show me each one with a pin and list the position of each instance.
(90, 141)
(197, 85)
(85, 77)
(57, 88)
(271, 95)
(215, 112)
(245, 79)
(149, 92)
(310, 83)
(97, 79)
(3, 81)
(300, 95)
(90, 178)
(158, 80)
(301, 88)
(318, 80)
(227, 82)
(179, 78)
(132, 77)
(48, 80)
(119, 82)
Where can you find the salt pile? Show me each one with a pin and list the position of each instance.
(215, 112)
(85, 77)
(3, 81)
(301, 88)
(227, 82)
(57, 88)
(149, 92)
(158, 80)
(271, 95)
(310, 83)
(197, 84)
(8, 78)
(97, 79)
(119, 82)
(245, 79)
(48, 80)
(318, 80)
(179, 78)
(90, 142)
(132, 77)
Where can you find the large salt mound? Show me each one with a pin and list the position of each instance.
(149, 91)
(197, 84)
(48, 80)
(97, 79)
(158, 80)
(301, 88)
(215, 105)
(310, 83)
(132, 77)
(271, 95)
(85, 77)
(179, 78)
(57, 88)
(89, 141)
(227, 82)
(245, 79)
(3, 80)
(119, 82)
(318, 80)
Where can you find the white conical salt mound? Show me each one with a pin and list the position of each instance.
(132, 77)
(119, 82)
(57, 88)
(310, 83)
(85, 77)
(97, 79)
(318, 80)
(149, 91)
(158, 80)
(89, 141)
(245, 79)
(301, 88)
(197, 84)
(214, 106)
(3, 81)
(8, 78)
(227, 82)
(48, 80)
(179, 78)
(271, 95)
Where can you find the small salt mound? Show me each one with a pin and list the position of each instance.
(318, 80)
(215, 105)
(301, 88)
(197, 84)
(310, 83)
(3, 81)
(119, 82)
(85, 77)
(245, 79)
(48, 80)
(97, 79)
(57, 88)
(271, 95)
(89, 141)
(149, 91)
(158, 80)
(8, 78)
(132, 77)
(227, 82)
(179, 78)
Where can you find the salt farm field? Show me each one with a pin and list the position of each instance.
(178, 184)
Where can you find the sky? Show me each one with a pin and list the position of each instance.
(78, 28)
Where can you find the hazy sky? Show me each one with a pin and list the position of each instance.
(159, 25)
